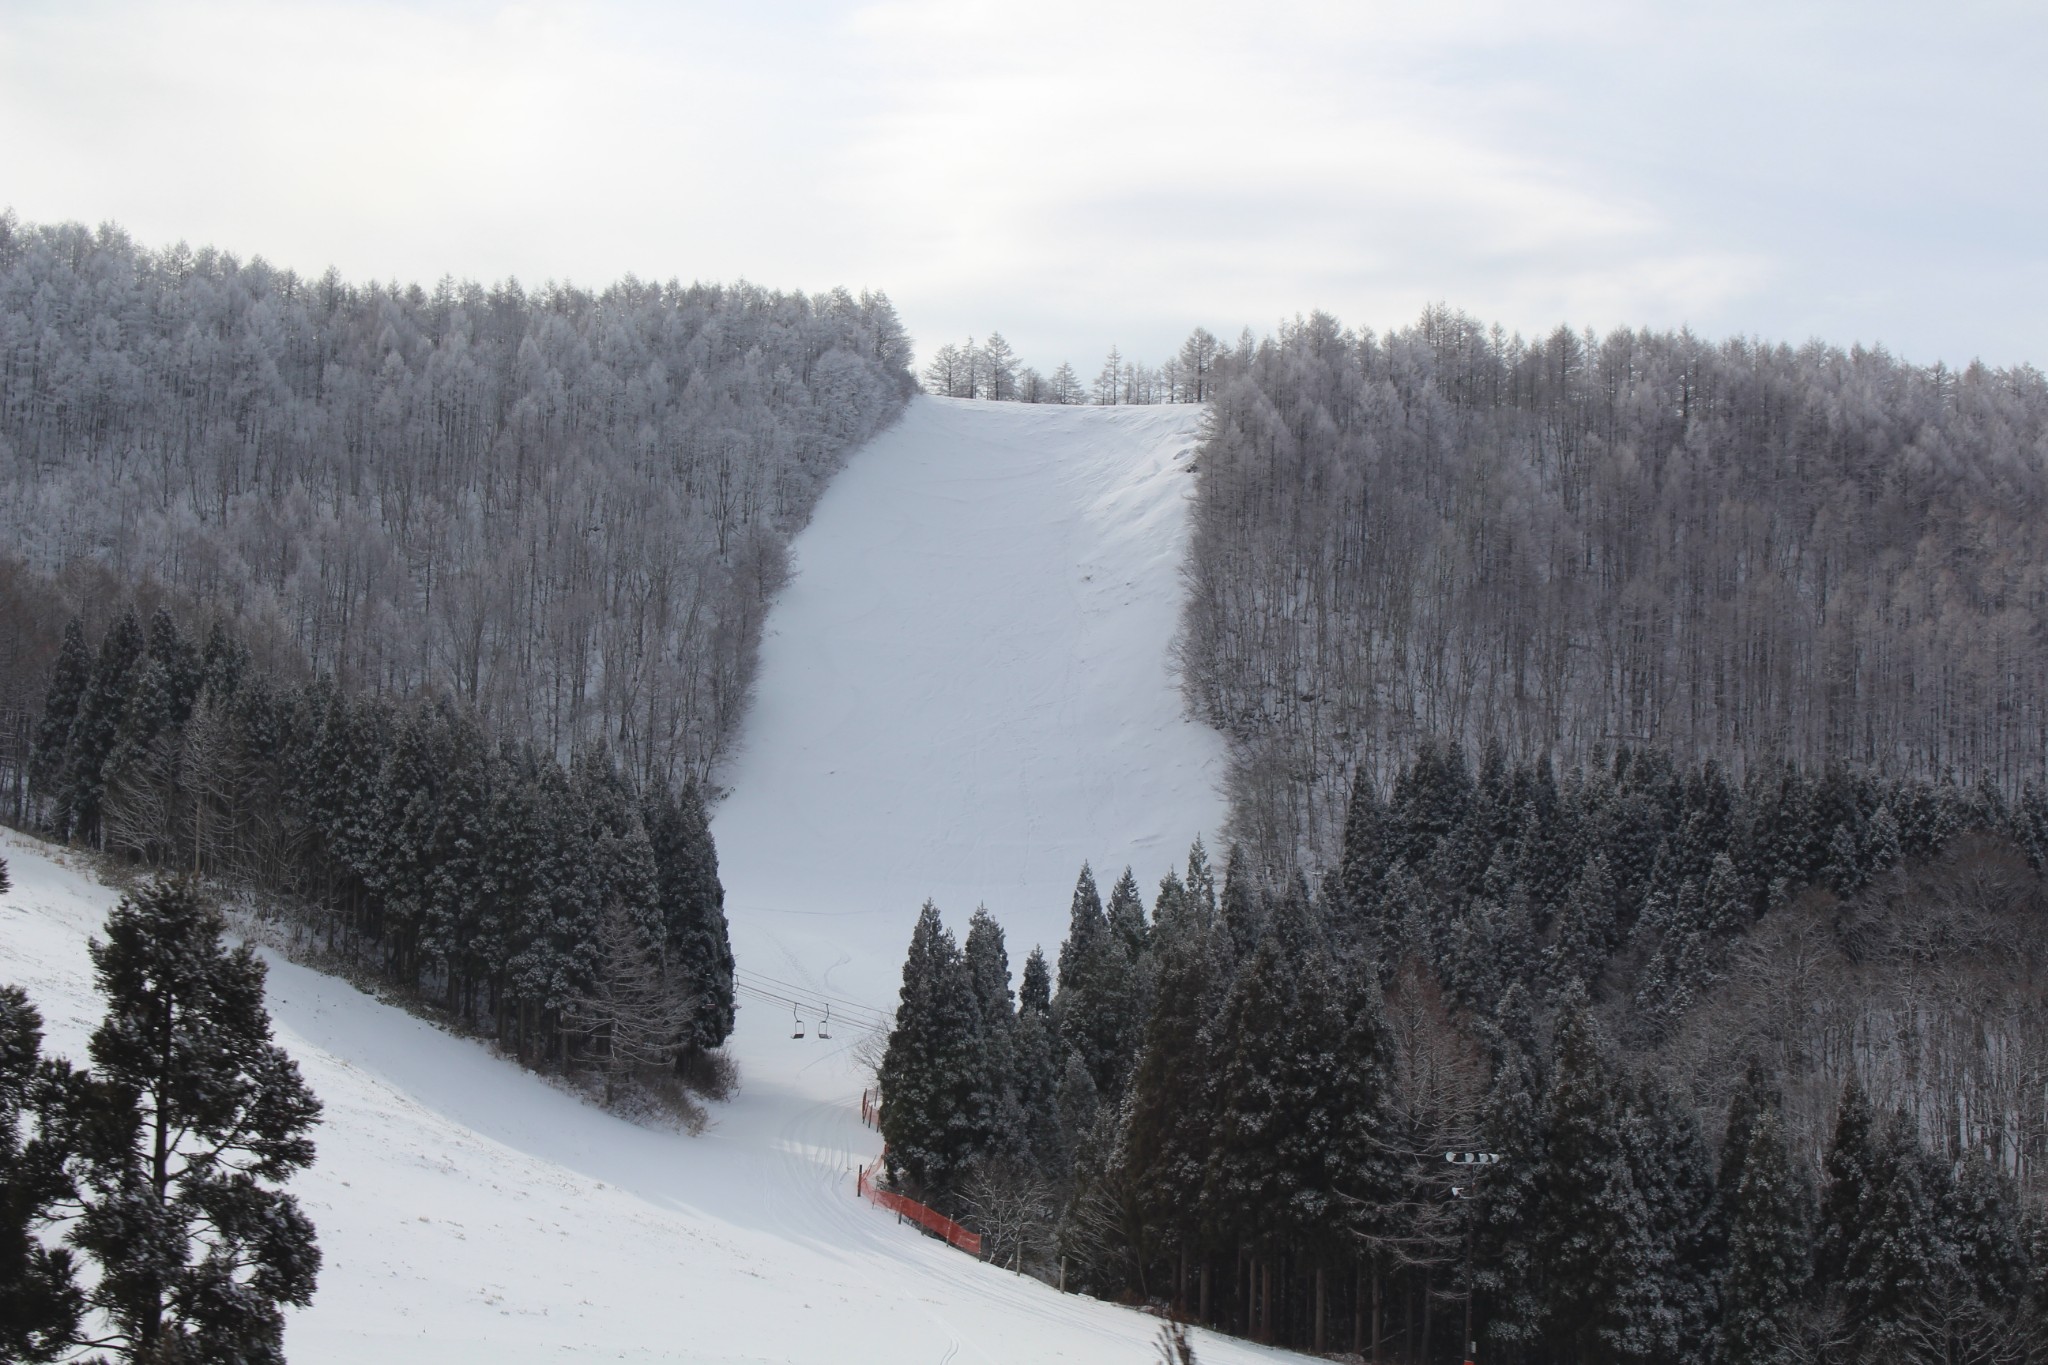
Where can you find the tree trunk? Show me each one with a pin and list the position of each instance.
(1322, 1317)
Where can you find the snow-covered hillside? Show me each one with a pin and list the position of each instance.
(964, 693)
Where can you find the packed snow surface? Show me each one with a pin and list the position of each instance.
(965, 692)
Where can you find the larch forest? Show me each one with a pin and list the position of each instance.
(1638, 770)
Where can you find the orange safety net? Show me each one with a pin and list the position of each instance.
(930, 1219)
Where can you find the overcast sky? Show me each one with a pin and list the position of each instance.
(1082, 174)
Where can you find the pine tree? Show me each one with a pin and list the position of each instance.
(5, 884)
(197, 1118)
(1767, 1260)
(41, 1302)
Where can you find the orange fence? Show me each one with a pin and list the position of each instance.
(930, 1219)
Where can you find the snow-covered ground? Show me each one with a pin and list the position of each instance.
(964, 693)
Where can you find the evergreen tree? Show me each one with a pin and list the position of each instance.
(1671, 1167)
(5, 884)
(1585, 927)
(1034, 993)
(988, 967)
(1767, 1259)
(1900, 1262)
(1245, 1188)
(1600, 1284)
(1035, 1076)
(196, 1118)
(1847, 1187)
(1200, 883)
(41, 1302)
(98, 725)
(1240, 906)
(1086, 926)
(61, 702)
(1171, 1099)
(1127, 915)
(934, 1074)
(1101, 1011)
(695, 932)
(1364, 858)
(1505, 1272)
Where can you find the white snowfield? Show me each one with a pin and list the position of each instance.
(965, 692)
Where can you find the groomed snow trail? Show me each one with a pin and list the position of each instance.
(964, 693)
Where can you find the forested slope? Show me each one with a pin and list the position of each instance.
(1737, 551)
(566, 508)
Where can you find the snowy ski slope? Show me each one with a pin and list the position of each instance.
(964, 693)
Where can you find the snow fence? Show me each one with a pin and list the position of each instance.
(926, 1217)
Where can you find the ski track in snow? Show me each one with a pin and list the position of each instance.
(964, 692)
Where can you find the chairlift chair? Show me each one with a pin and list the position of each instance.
(798, 1030)
(825, 1024)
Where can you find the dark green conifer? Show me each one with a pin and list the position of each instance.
(1600, 1294)
(61, 702)
(934, 1074)
(96, 728)
(1767, 1259)
(1126, 915)
(197, 1119)
(41, 1301)
(1086, 926)
(1034, 993)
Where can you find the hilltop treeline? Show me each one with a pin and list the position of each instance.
(1761, 1090)
(567, 910)
(567, 509)
(1738, 551)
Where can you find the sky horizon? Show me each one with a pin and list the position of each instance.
(1086, 176)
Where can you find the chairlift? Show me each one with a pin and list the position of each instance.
(798, 1030)
(825, 1024)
